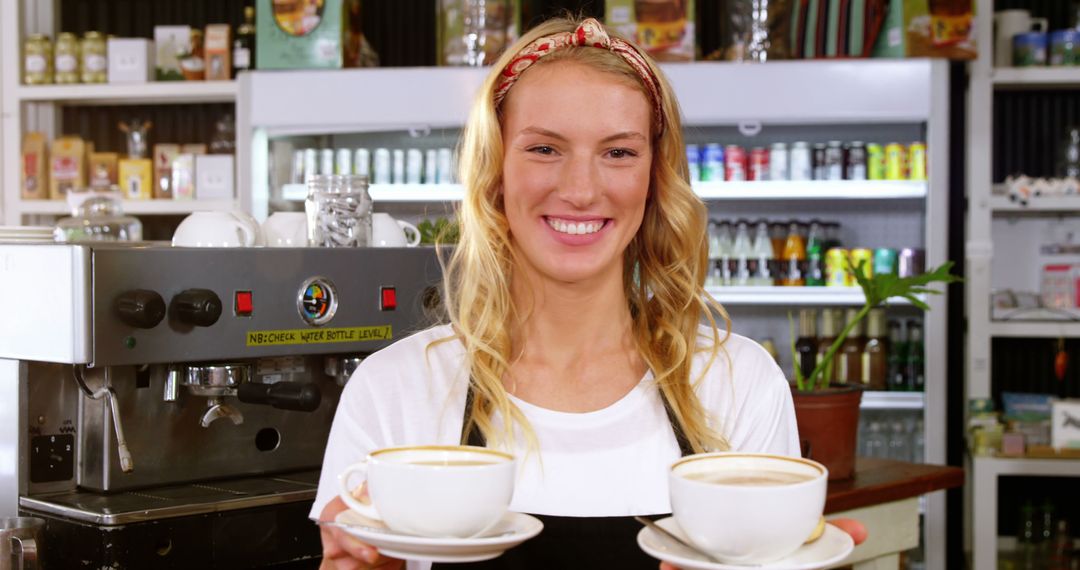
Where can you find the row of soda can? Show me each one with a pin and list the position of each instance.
(830, 270)
(383, 166)
(802, 161)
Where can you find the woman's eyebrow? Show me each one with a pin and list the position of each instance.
(552, 134)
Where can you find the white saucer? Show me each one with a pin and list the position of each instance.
(514, 529)
(832, 547)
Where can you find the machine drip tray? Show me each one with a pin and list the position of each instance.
(177, 500)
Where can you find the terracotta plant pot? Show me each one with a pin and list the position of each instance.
(828, 425)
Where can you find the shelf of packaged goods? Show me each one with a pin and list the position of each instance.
(1031, 467)
(1002, 204)
(1038, 329)
(161, 92)
(1036, 77)
(813, 190)
(872, 400)
(796, 296)
(134, 207)
(416, 192)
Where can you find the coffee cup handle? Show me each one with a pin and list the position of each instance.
(414, 238)
(346, 493)
(24, 552)
(1040, 24)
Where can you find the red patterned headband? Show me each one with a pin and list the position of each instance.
(589, 33)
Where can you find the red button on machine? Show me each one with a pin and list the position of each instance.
(243, 304)
(388, 299)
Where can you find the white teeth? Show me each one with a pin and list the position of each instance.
(571, 228)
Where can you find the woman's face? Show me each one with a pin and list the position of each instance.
(576, 170)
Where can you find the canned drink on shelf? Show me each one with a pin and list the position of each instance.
(885, 261)
(801, 165)
(917, 161)
(431, 166)
(311, 163)
(343, 161)
(446, 166)
(778, 162)
(911, 262)
(855, 161)
(834, 161)
(759, 164)
(381, 167)
(875, 162)
(712, 163)
(326, 161)
(296, 175)
(836, 273)
(819, 161)
(865, 258)
(398, 166)
(362, 162)
(895, 162)
(414, 166)
(693, 162)
(734, 163)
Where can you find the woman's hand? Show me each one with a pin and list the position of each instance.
(851, 526)
(342, 551)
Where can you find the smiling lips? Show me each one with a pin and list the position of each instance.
(575, 227)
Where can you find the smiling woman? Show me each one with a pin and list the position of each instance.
(580, 338)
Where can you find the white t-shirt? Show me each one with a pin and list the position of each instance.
(609, 462)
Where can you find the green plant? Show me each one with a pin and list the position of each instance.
(442, 230)
(876, 290)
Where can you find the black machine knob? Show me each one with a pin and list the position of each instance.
(282, 395)
(140, 308)
(199, 307)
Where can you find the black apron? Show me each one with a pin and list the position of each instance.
(573, 542)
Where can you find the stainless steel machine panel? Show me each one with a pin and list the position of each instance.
(275, 278)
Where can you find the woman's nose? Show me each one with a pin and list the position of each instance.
(579, 184)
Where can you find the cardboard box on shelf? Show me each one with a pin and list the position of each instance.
(103, 169)
(193, 148)
(928, 28)
(1065, 424)
(164, 154)
(300, 35)
(218, 52)
(182, 177)
(130, 60)
(214, 177)
(171, 44)
(34, 184)
(664, 28)
(67, 170)
(136, 178)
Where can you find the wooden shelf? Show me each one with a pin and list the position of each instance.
(1027, 466)
(1035, 77)
(1002, 204)
(1036, 329)
(160, 92)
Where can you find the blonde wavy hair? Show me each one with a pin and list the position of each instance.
(665, 263)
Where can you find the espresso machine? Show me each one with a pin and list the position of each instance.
(169, 407)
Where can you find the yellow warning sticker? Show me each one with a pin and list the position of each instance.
(319, 336)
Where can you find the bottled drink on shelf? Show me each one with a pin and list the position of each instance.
(793, 258)
(243, 53)
(899, 444)
(850, 362)
(714, 279)
(830, 329)
(742, 251)
(832, 236)
(806, 343)
(763, 256)
(725, 248)
(778, 234)
(875, 364)
(914, 363)
(897, 378)
(815, 256)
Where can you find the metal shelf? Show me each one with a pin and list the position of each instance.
(137, 207)
(1035, 77)
(893, 401)
(1002, 204)
(799, 296)
(163, 92)
(813, 190)
(1038, 329)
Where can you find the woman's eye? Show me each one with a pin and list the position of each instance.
(542, 149)
(621, 153)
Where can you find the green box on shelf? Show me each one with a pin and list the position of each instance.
(928, 28)
(300, 34)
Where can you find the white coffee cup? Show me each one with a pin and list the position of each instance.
(747, 508)
(216, 229)
(434, 491)
(389, 232)
(285, 229)
(1008, 23)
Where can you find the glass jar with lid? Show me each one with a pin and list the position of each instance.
(98, 218)
(66, 58)
(37, 60)
(94, 58)
(338, 211)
